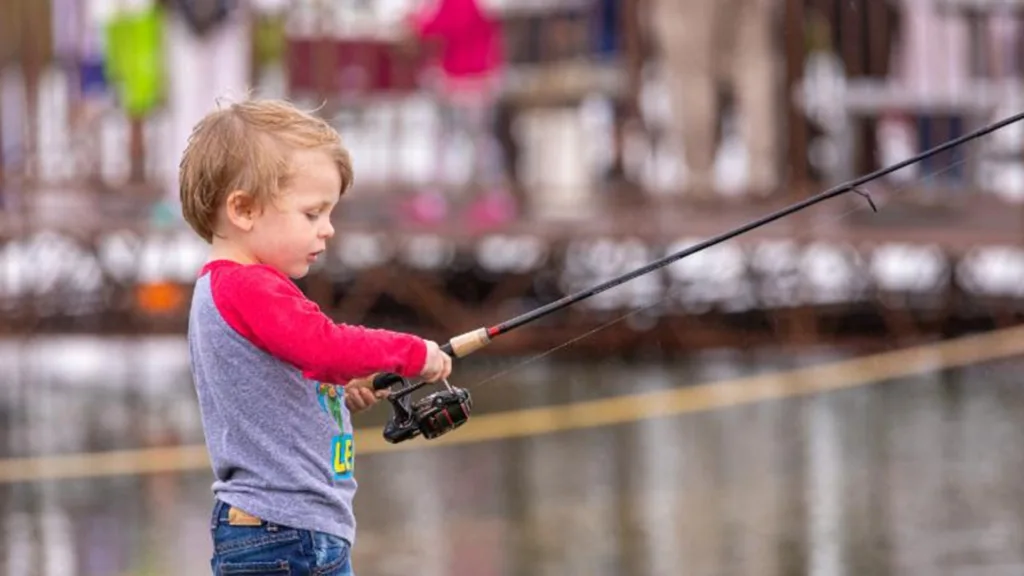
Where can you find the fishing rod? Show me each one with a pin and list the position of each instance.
(449, 408)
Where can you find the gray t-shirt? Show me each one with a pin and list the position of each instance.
(280, 441)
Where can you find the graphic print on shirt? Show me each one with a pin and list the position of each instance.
(342, 448)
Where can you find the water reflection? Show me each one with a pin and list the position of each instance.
(917, 476)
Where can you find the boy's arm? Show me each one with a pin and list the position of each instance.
(267, 309)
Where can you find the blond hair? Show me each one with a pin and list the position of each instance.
(247, 146)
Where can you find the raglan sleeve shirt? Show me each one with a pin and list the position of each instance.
(266, 308)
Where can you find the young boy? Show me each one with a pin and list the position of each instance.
(258, 182)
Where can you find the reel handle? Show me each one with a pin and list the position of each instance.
(385, 380)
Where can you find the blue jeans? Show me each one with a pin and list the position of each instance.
(270, 549)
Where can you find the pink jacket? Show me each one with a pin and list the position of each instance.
(471, 39)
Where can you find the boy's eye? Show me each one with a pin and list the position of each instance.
(312, 215)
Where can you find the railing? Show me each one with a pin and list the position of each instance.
(59, 107)
(878, 49)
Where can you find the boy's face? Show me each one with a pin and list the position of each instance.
(292, 230)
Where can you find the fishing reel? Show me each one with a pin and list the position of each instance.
(431, 416)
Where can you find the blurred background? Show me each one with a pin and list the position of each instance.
(729, 414)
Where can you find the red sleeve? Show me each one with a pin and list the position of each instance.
(267, 309)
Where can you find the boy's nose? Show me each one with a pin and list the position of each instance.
(328, 231)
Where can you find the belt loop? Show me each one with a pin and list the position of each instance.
(218, 505)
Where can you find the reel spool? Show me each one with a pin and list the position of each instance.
(431, 416)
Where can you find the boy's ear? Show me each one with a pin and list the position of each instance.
(241, 209)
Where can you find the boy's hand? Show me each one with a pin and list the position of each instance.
(359, 395)
(438, 365)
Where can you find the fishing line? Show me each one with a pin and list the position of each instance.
(891, 194)
(467, 343)
(672, 292)
(449, 408)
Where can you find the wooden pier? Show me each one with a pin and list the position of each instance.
(836, 272)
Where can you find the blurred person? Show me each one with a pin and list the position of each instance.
(932, 57)
(207, 50)
(277, 380)
(470, 38)
(203, 16)
(931, 50)
(709, 43)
